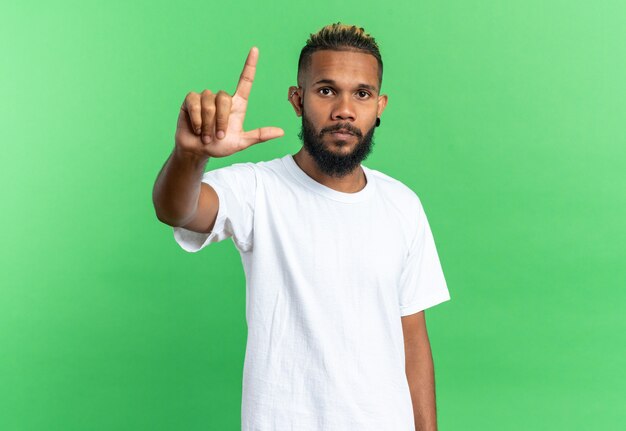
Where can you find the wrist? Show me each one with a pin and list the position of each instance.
(189, 158)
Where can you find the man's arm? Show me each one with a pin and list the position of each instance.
(209, 125)
(179, 196)
(420, 371)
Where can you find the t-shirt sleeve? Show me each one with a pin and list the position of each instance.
(422, 284)
(235, 186)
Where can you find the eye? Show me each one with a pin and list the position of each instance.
(363, 94)
(325, 91)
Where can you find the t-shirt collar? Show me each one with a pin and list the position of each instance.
(326, 191)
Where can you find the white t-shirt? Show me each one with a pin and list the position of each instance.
(328, 276)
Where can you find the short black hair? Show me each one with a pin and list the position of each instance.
(339, 37)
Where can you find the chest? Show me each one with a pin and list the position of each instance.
(361, 243)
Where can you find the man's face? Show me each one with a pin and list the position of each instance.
(339, 110)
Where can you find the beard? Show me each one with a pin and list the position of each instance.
(330, 162)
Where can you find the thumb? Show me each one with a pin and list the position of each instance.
(261, 135)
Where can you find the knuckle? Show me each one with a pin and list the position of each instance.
(246, 78)
(206, 92)
(208, 109)
(225, 100)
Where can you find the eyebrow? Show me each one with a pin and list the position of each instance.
(331, 82)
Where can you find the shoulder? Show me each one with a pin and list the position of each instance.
(403, 205)
(268, 166)
(232, 171)
(270, 171)
(246, 168)
(395, 191)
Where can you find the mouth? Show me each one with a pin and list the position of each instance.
(342, 133)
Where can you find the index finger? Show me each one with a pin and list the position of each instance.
(247, 75)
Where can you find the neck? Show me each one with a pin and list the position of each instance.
(352, 182)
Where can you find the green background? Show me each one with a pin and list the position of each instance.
(506, 117)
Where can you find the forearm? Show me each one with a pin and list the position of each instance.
(421, 378)
(177, 188)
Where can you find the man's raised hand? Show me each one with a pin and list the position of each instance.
(211, 125)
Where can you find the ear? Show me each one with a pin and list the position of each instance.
(295, 98)
(382, 103)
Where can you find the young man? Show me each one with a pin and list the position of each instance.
(339, 259)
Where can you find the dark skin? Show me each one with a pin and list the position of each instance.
(337, 87)
(420, 371)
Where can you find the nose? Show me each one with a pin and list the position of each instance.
(343, 109)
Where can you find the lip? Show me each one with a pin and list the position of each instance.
(343, 132)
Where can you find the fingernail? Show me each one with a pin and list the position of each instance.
(220, 135)
(206, 139)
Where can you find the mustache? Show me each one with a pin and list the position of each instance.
(337, 127)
